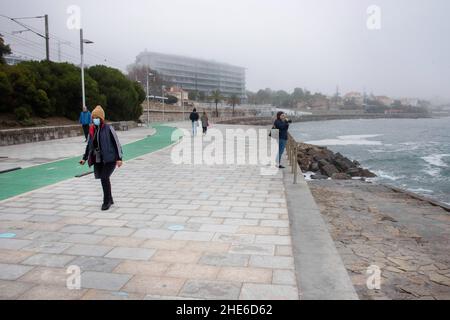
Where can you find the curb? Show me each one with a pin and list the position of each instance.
(321, 274)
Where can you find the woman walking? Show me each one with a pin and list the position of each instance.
(104, 152)
(205, 122)
(282, 124)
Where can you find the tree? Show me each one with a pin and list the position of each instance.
(234, 100)
(4, 50)
(193, 95)
(217, 97)
(123, 98)
(139, 73)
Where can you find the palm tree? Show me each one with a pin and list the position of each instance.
(234, 100)
(217, 97)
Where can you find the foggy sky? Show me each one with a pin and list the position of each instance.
(313, 44)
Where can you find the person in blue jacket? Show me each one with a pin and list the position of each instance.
(85, 121)
(282, 124)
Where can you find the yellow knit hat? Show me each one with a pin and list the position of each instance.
(98, 112)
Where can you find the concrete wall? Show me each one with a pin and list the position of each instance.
(323, 117)
(27, 135)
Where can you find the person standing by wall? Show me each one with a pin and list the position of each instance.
(205, 122)
(104, 152)
(85, 121)
(194, 118)
(282, 124)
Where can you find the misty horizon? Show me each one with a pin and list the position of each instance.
(317, 45)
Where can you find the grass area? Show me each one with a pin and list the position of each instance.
(17, 182)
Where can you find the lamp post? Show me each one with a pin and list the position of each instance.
(82, 42)
(163, 88)
(148, 99)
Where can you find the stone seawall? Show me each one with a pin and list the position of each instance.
(324, 117)
(27, 135)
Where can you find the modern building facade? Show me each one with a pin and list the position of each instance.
(194, 74)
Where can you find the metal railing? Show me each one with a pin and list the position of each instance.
(292, 148)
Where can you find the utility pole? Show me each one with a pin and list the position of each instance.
(46, 36)
(47, 39)
(82, 42)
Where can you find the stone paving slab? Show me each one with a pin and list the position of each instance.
(176, 231)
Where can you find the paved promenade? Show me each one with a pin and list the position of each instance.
(175, 231)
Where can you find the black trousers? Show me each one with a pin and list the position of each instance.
(205, 129)
(103, 171)
(85, 130)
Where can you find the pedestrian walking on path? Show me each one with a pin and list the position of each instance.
(282, 124)
(104, 152)
(194, 118)
(85, 121)
(205, 122)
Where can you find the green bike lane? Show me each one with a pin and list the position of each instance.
(28, 179)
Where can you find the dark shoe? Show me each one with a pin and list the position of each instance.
(106, 206)
(281, 167)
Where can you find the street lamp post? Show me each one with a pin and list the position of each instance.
(163, 88)
(82, 42)
(148, 100)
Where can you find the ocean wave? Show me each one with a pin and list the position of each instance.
(420, 190)
(433, 172)
(387, 175)
(349, 140)
(436, 160)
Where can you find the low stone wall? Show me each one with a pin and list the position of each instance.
(27, 135)
(323, 117)
(177, 115)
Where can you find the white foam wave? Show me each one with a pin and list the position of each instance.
(386, 175)
(349, 140)
(436, 160)
(420, 190)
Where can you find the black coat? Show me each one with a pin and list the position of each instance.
(283, 127)
(109, 145)
(194, 116)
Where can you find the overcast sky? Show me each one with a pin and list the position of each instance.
(313, 44)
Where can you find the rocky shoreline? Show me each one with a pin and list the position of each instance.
(325, 164)
(406, 237)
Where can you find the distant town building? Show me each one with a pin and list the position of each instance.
(180, 94)
(409, 102)
(384, 100)
(355, 98)
(194, 74)
(13, 59)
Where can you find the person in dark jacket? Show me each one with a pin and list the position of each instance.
(85, 121)
(194, 118)
(205, 122)
(282, 124)
(104, 152)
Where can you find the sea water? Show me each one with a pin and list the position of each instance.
(413, 154)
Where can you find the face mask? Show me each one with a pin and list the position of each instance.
(96, 121)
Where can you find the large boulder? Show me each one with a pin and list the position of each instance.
(329, 170)
(342, 162)
(340, 176)
(314, 167)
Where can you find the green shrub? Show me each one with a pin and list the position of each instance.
(23, 113)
